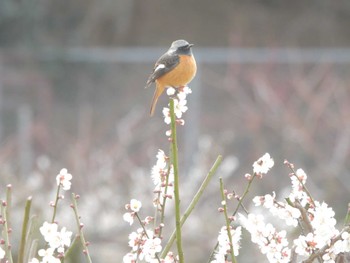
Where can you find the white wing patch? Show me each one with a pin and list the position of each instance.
(159, 67)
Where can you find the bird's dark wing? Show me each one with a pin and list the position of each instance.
(164, 64)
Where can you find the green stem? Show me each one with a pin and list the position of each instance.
(8, 202)
(193, 203)
(24, 230)
(174, 162)
(80, 228)
(347, 217)
(32, 250)
(142, 225)
(55, 205)
(227, 220)
(235, 212)
(246, 191)
(5, 211)
(31, 243)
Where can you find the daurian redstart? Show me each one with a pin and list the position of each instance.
(176, 68)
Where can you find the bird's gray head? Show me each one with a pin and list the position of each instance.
(181, 47)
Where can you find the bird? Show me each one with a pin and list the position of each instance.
(175, 68)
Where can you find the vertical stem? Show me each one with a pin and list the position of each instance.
(227, 221)
(174, 162)
(24, 230)
(246, 191)
(55, 205)
(5, 211)
(80, 226)
(31, 247)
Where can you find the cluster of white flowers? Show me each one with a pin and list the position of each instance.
(271, 243)
(57, 242)
(144, 246)
(224, 243)
(298, 192)
(340, 246)
(321, 218)
(179, 105)
(280, 209)
(320, 234)
(162, 180)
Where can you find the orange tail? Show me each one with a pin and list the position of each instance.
(159, 90)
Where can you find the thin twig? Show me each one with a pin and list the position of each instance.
(193, 203)
(5, 211)
(246, 191)
(227, 220)
(80, 227)
(55, 204)
(291, 167)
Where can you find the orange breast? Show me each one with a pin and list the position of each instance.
(181, 75)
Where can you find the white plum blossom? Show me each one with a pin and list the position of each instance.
(179, 103)
(2, 253)
(145, 245)
(266, 201)
(162, 176)
(151, 247)
(56, 239)
(263, 165)
(180, 107)
(130, 258)
(48, 230)
(129, 218)
(170, 258)
(64, 179)
(166, 114)
(61, 240)
(160, 168)
(224, 243)
(272, 243)
(135, 205)
(170, 91)
(323, 222)
(340, 246)
(48, 255)
(298, 192)
(290, 215)
(305, 245)
(280, 209)
(346, 241)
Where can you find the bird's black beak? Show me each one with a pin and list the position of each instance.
(190, 45)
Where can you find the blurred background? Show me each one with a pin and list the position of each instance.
(273, 76)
